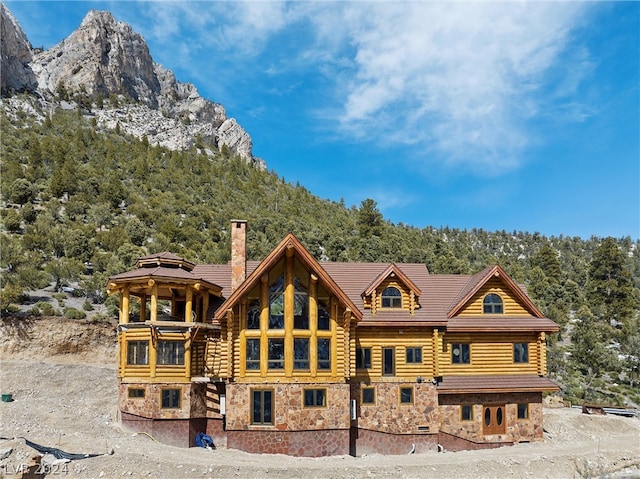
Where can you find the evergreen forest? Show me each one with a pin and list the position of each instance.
(80, 204)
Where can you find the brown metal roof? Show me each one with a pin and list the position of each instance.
(494, 383)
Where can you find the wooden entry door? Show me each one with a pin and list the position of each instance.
(493, 420)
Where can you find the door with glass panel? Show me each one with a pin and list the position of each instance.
(493, 420)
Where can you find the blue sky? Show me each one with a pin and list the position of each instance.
(494, 115)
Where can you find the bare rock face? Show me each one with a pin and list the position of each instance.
(104, 58)
(100, 57)
(15, 69)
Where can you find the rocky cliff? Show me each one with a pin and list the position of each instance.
(106, 67)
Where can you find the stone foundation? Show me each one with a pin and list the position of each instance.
(292, 443)
(174, 432)
(374, 442)
(470, 432)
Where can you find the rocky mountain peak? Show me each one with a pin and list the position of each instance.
(105, 58)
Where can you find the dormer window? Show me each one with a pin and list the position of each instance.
(391, 298)
(492, 304)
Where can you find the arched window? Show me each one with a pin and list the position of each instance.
(391, 298)
(492, 304)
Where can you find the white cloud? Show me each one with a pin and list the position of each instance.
(459, 80)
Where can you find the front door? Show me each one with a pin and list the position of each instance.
(493, 420)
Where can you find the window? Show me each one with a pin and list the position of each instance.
(136, 393)
(301, 353)
(368, 395)
(300, 306)
(276, 353)
(520, 353)
(261, 406)
(523, 411)
(171, 353)
(388, 366)
(253, 354)
(414, 355)
(276, 304)
(492, 304)
(171, 398)
(466, 412)
(324, 323)
(137, 352)
(324, 353)
(460, 353)
(315, 397)
(406, 395)
(253, 314)
(391, 298)
(363, 358)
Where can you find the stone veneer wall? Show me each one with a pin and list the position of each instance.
(389, 416)
(516, 430)
(388, 427)
(293, 443)
(174, 432)
(193, 401)
(297, 430)
(374, 442)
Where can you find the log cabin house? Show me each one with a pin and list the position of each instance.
(294, 356)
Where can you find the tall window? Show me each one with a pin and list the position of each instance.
(276, 353)
(460, 353)
(301, 353)
(137, 352)
(391, 298)
(520, 353)
(388, 361)
(324, 353)
(276, 304)
(492, 304)
(324, 323)
(414, 355)
(261, 406)
(300, 305)
(363, 358)
(253, 314)
(171, 353)
(253, 354)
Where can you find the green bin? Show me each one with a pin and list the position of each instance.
(7, 397)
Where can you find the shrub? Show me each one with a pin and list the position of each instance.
(87, 306)
(73, 313)
(35, 311)
(46, 309)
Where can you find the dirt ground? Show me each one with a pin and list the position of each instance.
(65, 397)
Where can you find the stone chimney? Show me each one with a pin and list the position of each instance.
(238, 253)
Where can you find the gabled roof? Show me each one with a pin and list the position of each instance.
(478, 280)
(392, 269)
(290, 242)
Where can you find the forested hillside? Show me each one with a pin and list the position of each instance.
(80, 204)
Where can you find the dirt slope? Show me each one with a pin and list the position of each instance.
(65, 397)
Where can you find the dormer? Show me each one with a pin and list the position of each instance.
(393, 291)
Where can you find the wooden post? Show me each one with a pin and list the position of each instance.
(125, 304)
(154, 300)
(436, 353)
(313, 326)
(188, 309)
(264, 324)
(289, 302)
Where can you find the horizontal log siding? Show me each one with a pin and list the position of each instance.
(379, 338)
(512, 307)
(162, 371)
(490, 354)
